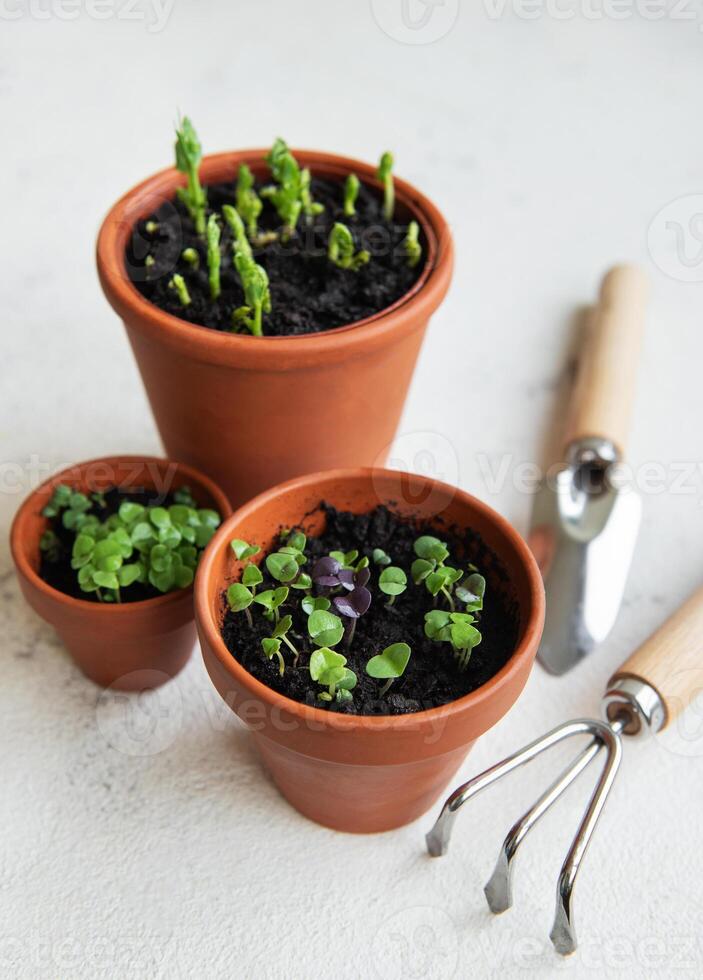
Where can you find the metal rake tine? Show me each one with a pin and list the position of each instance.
(563, 934)
(439, 836)
(499, 888)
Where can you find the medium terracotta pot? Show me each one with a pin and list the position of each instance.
(239, 407)
(135, 645)
(364, 773)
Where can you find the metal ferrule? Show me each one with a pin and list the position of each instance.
(638, 702)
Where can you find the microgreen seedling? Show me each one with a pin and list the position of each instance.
(454, 628)
(411, 244)
(272, 600)
(429, 568)
(385, 175)
(389, 664)
(236, 225)
(283, 566)
(151, 227)
(240, 598)
(190, 255)
(392, 582)
(178, 284)
(188, 157)
(351, 192)
(255, 284)
(286, 194)
(353, 606)
(50, 544)
(310, 207)
(311, 603)
(249, 203)
(379, 557)
(340, 249)
(471, 592)
(327, 667)
(243, 550)
(272, 645)
(214, 257)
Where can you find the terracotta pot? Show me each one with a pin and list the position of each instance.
(239, 407)
(364, 773)
(135, 645)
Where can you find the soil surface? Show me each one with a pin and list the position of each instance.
(432, 677)
(59, 574)
(308, 292)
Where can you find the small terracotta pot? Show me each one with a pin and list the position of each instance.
(133, 645)
(364, 773)
(239, 407)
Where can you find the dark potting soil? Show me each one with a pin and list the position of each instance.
(432, 677)
(308, 292)
(59, 574)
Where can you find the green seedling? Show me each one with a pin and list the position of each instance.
(149, 261)
(272, 644)
(59, 499)
(191, 256)
(236, 226)
(178, 284)
(471, 592)
(243, 550)
(249, 204)
(429, 568)
(184, 496)
(310, 208)
(283, 566)
(286, 194)
(351, 192)
(340, 249)
(255, 284)
(188, 157)
(411, 244)
(239, 598)
(392, 582)
(456, 629)
(325, 628)
(312, 603)
(385, 175)
(389, 664)
(151, 227)
(214, 258)
(379, 557)
(50, 544)
(327, 667)
(272, 600)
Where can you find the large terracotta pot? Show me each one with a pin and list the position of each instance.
(134, 645)
(240, 407)
(363, 773)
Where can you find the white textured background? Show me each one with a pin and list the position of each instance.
(141, 838)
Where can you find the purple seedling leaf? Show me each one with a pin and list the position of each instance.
(355, 604)
(347, 578)
(325, 572)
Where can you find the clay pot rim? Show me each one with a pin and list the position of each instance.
(31, 506)
(369, 723)
(213, 345)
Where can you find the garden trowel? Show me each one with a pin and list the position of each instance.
(585, 524)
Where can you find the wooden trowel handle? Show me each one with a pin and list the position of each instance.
(607, 371)
(671, 661)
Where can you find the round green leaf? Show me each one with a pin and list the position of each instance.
(392, 581)
(106, 580)
(284, 568)
(431, 549)
(311, 603)
(130, 512)
(252, 575)
(325, 628)
(242, 549)
(239, 597)
(391, 662)
(129, 574)
(323, 661)
(159, 517)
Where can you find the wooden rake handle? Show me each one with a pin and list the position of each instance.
(671, 661)
(607, 370)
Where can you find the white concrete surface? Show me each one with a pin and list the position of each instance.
(142, 839)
